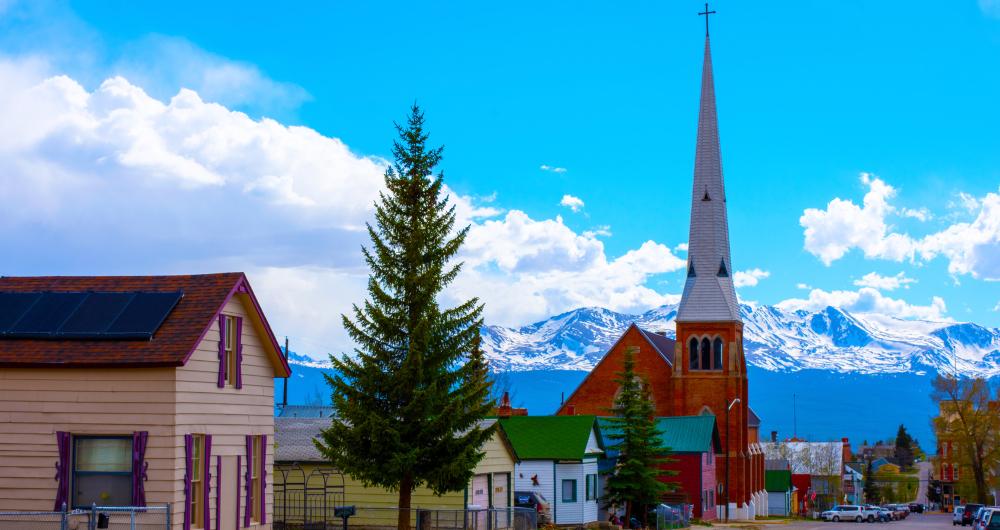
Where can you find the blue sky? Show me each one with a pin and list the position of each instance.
(860, 141)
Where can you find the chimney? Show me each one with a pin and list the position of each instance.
(774, 436)
(504, 410)
(571, 410)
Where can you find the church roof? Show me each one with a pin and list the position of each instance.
(709, 294)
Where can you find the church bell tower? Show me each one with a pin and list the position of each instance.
(709, 368)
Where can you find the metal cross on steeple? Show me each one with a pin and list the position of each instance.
(706, 13)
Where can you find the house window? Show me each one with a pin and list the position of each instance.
(592, 487)
(197, 481)
(102, 471)
(569, 490)
(255, 480)
(230, 349)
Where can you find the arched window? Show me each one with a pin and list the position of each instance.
(693, 353)
(717, 350)
(706, 354)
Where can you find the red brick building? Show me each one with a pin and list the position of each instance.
(704, 372)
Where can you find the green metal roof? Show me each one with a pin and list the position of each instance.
(681, 434)
(549, 437)
(778, 480)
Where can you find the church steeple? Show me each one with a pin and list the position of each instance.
(709, 294)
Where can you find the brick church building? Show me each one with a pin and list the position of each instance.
(704, 370)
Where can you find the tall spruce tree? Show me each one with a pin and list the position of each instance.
(409, 401)
(870, 487)
(635, 481)
(903, 452)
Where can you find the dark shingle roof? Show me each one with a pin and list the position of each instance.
(172, 343)
(305, 411)
(753, 420)
(549, 437)
(293, 439)
(664, 345)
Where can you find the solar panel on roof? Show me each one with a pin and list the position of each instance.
(79, 315)
(144, 313)
(96, 314)
(13, 307)
(46, 315)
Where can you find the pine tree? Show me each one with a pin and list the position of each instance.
(870, 488)
(634, 482)
(903, 453)
(409, 401)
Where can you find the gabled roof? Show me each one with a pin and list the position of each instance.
(661, 343)
(204, 296)
(551, 437)
(305, 411)
(753, 420)
(777, 480)
(681, 434)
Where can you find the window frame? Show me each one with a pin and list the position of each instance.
(196, 499)
(591, 494)
(255, 483)
(74, 460)
(230, 349)
(563, 492)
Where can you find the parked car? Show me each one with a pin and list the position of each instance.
(884, 514)
(869, 513)
(956, 517)
(993, 521)
(531, 499)
(982, 517)
(969, 512)
(847, 512)
(916, 507)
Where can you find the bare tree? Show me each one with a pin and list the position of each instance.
(970, 419)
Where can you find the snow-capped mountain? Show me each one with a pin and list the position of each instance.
(776, 340)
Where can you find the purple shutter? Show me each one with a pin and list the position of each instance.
(218, 492)
(206, 480)
(263, 478)
(249, 479)
(239, 465)
(188, 464)
(222, 351)
(63, 440)
(239, 352)
(139, 467)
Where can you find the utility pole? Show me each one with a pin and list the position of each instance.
(284, 388)
(728, 455)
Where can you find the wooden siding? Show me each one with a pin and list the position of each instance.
(227, 413)
(37, 402)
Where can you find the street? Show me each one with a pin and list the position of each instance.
(915, 521)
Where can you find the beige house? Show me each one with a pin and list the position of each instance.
(299, 465)
(134, 391)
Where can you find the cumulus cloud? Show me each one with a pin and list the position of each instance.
(553, 169)
(571, 202)
(990, 8)
(884, 283)
(803, 286)
(971, 248)
(749, 278)
(920, 214)
(681, 247)
(113, 180)
(867, 300)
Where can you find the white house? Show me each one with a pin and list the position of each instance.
(558, 460)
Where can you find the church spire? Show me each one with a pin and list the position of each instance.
(709, 294)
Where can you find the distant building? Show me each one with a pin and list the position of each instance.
(823, 462)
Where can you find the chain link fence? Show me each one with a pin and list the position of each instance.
(97, 517)
(366, 518)
(672, 516)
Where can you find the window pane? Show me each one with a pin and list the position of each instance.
(105, 490)
(569, 490)
(717, 360)
(693, 354)
(706, 354)
(104, 454)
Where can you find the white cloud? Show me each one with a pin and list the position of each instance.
(971, 248)
(571, 202)
(125, 183)
(749, 278)
(843, 225)
(867, 300)
(920, 214)
(997, 307)
(553, 169)
(885, 283)
(803, 286)
(681, 247)
(990, 8)
(600, 230)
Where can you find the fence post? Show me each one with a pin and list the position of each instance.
(63, 522)
(169, 512)
(92, 524)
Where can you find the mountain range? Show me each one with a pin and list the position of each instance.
(822, 374)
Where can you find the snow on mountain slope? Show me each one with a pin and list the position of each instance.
(775, 340)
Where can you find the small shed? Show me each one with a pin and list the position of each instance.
(778, 483)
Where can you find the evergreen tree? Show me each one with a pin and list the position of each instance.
(409, 401)
(634, 482)
(903, 453)
(870, 488)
